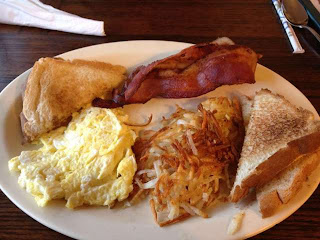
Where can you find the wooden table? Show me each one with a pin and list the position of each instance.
(252, 23)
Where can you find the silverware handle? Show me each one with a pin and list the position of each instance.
(317, 36)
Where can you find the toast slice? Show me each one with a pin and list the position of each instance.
(278, 133)
(246, 107)
(286, 184)
(56, 88)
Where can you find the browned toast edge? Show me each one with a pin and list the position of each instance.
(277, 162)
(270, 201)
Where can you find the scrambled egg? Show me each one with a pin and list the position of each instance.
(89, 162)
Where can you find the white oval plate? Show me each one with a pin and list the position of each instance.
(137, 222)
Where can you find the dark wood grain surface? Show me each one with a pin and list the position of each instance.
(252, 23)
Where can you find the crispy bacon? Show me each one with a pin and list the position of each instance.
(192, 72)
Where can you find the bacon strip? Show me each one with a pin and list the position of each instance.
(192, 72)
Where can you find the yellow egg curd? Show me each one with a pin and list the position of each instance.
(88, 162)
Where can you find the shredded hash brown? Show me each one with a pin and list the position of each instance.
(184, 164)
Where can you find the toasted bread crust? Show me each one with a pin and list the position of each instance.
(287, 183)
(277, 135)
(246, 106)
(282, 159)
(56, 88)
(276, 163)
(305, 170)
(269, 203)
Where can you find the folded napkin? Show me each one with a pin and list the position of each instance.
(34, 13)
(296, 46)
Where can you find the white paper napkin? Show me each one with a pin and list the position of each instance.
(296, 46)
(34, 13)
